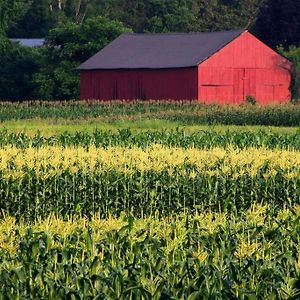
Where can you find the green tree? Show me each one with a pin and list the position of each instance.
(165, 16)
(18, 66)
(67, 46)
(293, 54)
(11, 11)
(37, 22)
(279, 22)
(130, 12)
(44, 15)
(141, 15)
(79, 10)
(213, 15)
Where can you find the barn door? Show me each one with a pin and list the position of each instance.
(238, 86)
(244, 84)
(249, 83)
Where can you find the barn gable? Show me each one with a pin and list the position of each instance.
(245, 67)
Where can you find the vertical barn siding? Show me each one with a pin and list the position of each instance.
(245, 67)
(176, 84)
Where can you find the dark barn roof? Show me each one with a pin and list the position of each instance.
(159, 51)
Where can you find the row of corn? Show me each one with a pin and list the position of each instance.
(251, 255)
(182, 111)
(75, 180)
(203, 139)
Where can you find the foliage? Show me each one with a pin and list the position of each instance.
(225, 15)
(18, 67)
(76, 42)
(293, 53)
(45, 15)
(165, 16)
(251, 100)
(278, 23)
(37, 22)
(11, 11)
(142, 16)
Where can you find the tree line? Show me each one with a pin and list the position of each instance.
(76, 29)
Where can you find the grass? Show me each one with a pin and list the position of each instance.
(50, 127)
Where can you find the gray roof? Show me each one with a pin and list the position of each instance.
(159, 51)
(29, 42)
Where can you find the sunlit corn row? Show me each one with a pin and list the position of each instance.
(48, 161)
(69, 181)
(255, 254)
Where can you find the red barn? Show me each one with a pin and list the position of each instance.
(222, 67)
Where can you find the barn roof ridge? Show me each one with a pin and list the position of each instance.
(160, 51)
(185, 33)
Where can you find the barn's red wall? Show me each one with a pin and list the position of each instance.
(245, 67)
(176, 84)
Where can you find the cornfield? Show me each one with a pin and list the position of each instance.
(164, 214)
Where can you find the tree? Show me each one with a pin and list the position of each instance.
(67, 46)
(278, 23)
(74, 10)
(18, 66)
(79, 10)
(36, 23)
(216, 15)
(130, 12)
(166, 16)
(293, 54)
(44, 15)
(11, 11)
(141, 15)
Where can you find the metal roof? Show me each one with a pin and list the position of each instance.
(29, 42)
(159, 51)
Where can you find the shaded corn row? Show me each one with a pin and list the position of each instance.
(141, 193)
(177, 138)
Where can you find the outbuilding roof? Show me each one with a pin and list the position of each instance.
(159, 51)
(29, 42)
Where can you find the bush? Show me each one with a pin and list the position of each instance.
(293, 54)
(251, 100)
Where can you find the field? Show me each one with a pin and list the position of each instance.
(149, 201)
